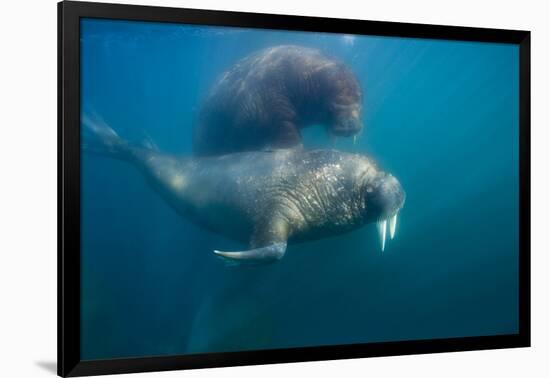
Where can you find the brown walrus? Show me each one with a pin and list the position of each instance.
(265, 99)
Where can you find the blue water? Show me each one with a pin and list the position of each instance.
(442, 116)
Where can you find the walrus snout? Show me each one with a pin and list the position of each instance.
(347, 127)
(384, 199)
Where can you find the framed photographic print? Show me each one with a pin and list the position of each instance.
(240, 188)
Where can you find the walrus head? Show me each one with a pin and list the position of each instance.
(344, 103)
(347, 121)
(384, 197)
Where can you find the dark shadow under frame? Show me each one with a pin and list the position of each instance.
(69, 14)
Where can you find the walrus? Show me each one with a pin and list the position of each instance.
(266, 199)
(267, 97)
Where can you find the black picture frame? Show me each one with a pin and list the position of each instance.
(69, 14)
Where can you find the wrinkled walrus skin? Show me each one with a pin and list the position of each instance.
(265, 99)
(265, 198)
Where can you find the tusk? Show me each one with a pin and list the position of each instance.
(382, 232)
(393, 223)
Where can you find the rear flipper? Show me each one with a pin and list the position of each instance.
(101, 139)
(263, 255)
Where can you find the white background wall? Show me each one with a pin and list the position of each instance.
(28, 186)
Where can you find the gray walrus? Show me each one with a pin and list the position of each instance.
(267, 97)
(265, 198)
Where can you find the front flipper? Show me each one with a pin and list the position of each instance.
(263, 255)
(268, 243)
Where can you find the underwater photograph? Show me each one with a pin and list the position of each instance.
(252, 189)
